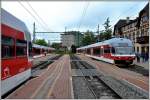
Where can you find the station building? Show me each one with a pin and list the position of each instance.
(136, 30)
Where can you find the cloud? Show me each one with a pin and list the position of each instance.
(57, 15)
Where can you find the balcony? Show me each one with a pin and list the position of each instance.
(142, 39)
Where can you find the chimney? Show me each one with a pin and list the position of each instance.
(128, 19)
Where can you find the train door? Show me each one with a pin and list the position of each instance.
(107, 51)
(101, 51)
(91, 51)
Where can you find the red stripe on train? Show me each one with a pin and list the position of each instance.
(11, 32)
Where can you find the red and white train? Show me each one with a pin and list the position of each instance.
(115, 51)
(39, 50)
(17, 52)
(16, 46)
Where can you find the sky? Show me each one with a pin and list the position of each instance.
(74, 15)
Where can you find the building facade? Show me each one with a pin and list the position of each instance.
(142, 37)
(71, 38)
(136, 30)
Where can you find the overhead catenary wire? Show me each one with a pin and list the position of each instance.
(83, 15)
(37, 14)
(31, 14)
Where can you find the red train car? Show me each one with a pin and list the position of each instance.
(41, 50)
(115, 50)
(15, 63)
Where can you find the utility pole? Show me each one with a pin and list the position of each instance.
(65, 29)
(78, 39)
(49, 43)
(98, 33)
(33, 32)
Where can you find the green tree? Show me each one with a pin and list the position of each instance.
(108, 31)
(41, 42)
(88, 38)
(56, 45)
(102, 36)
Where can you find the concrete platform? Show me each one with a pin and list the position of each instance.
(142, 64)
(55, 82)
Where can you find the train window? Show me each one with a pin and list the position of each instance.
(113, 50)
(21, 48)
(7, 51)
(106, 50)
(124, 50)
(7, 40)
(21, 43)
(96, 51)
(21, 51)
(88, 51)
(30, 49)
(7, 47)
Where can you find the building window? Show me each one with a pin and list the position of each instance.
(137, 49)
(145, 18)
(142, 32)
(143, 49)
(129, 36)
(134, 36)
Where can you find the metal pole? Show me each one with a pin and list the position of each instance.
(78, 39)
(98, 33)
(65, 29)
(34, 32)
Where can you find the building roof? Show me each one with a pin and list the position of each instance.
(132, 21)
(42, 47)
(119, 24)
(144, 10)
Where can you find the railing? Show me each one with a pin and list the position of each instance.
(143, 39)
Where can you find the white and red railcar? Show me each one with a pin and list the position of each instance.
(15, 63)
(115, 50)
(39, 50)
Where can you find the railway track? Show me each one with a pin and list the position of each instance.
(88, 85)
(127, 86)
(44, 64)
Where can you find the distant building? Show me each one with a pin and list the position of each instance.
(136, 30)
(71, 38)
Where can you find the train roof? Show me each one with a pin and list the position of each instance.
(10, 20)
(114, 42)
(42, 47)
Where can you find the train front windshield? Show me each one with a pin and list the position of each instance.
(124, 50)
